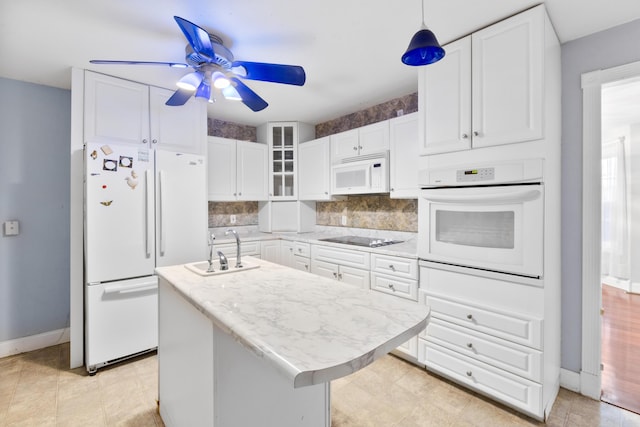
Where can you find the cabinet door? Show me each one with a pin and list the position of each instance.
(403, 157)
(221, 177)
(314, 165)
(283, 139)
(324, 269)
(287, 253)
(116, 110)
(270, 250)
(354, 276)
(374, 138)
(301, 263)
(252, 181)
(508, 80)
(344, 144)
(177, 128)
(445, 101)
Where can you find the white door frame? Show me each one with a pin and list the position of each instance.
(590, 374)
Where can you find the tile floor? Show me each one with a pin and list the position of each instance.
(38, 389)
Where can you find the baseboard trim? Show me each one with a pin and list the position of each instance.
(570, 380)
(34, 342)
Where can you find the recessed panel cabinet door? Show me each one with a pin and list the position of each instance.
(177, 128)
(445, 95)
(221, 155)
(314, 168)
(508, 63)
(252, 180)
(116, 110)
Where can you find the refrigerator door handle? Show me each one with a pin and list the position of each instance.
(128, 289)
(149, 213)
(161, 210)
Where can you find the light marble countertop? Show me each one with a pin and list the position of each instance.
(312, 329)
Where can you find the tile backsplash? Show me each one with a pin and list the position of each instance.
(370, 211)
(367, 211)
(246, 213)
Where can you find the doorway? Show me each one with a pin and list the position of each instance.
(620, 164)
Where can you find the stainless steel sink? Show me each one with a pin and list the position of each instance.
(201, 268)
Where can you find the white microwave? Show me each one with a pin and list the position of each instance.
(366, 174)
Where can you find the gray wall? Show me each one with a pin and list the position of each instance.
(610, 48)
(34, 188)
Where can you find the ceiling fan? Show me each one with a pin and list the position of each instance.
(213, 64)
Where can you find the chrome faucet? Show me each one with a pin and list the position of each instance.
(238, 261)
(211, 239)
(224, 264)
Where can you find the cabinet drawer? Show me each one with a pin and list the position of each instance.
(509, 326)
(395, 266)
(340, 256)
(511, 389)
(514, 358)
(301, 263)
(396, 286)
(246, 248)
(302, 249)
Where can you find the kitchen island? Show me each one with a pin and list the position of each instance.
(260, 347)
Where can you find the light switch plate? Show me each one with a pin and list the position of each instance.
(11, 228)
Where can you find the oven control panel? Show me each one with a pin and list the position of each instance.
(475, 175)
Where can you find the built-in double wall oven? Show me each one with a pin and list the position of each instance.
(486, 217)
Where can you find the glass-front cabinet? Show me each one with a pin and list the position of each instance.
(284, 148)
(283, 138)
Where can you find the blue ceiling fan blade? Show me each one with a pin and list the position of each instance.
(109, 62)
(197, 38)
(179, 97)
(275, 73)
(249, 97)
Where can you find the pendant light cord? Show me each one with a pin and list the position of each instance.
(423, 24)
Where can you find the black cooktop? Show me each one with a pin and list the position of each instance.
(369, 242)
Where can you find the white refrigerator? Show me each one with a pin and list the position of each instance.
(143, 208)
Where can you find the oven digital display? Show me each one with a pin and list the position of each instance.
(475, 175)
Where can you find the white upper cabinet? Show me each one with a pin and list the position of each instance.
(283, 139)
(116, 110)
(237, 170)
(445, 96)
(488, 89)
(314, 176)
(177, 128)
(124, 112)
(365, 140)
(403, 157)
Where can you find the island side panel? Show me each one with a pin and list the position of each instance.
(251, 392)
(185, 361)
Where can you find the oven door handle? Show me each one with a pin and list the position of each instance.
(504, 197)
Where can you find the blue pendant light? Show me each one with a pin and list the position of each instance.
(424, 48)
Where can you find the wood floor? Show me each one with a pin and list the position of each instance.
(621, 348)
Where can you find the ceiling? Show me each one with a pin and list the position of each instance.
(350, 49)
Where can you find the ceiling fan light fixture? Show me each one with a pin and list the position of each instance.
(190, 81)
(220, 81)
(424, 48)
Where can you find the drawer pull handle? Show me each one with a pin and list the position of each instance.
(340, 276)
(470, 345)
(335, 275)
(392, 287)
(469, 373)
(300, 250)
(470, 316)
(392, 267)
(306, 266)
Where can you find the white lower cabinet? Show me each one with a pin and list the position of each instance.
(295, 255)
(246, 249)
(487, 333)
(342, 273)
(270, 250)
(346, 265)
(512, 389)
